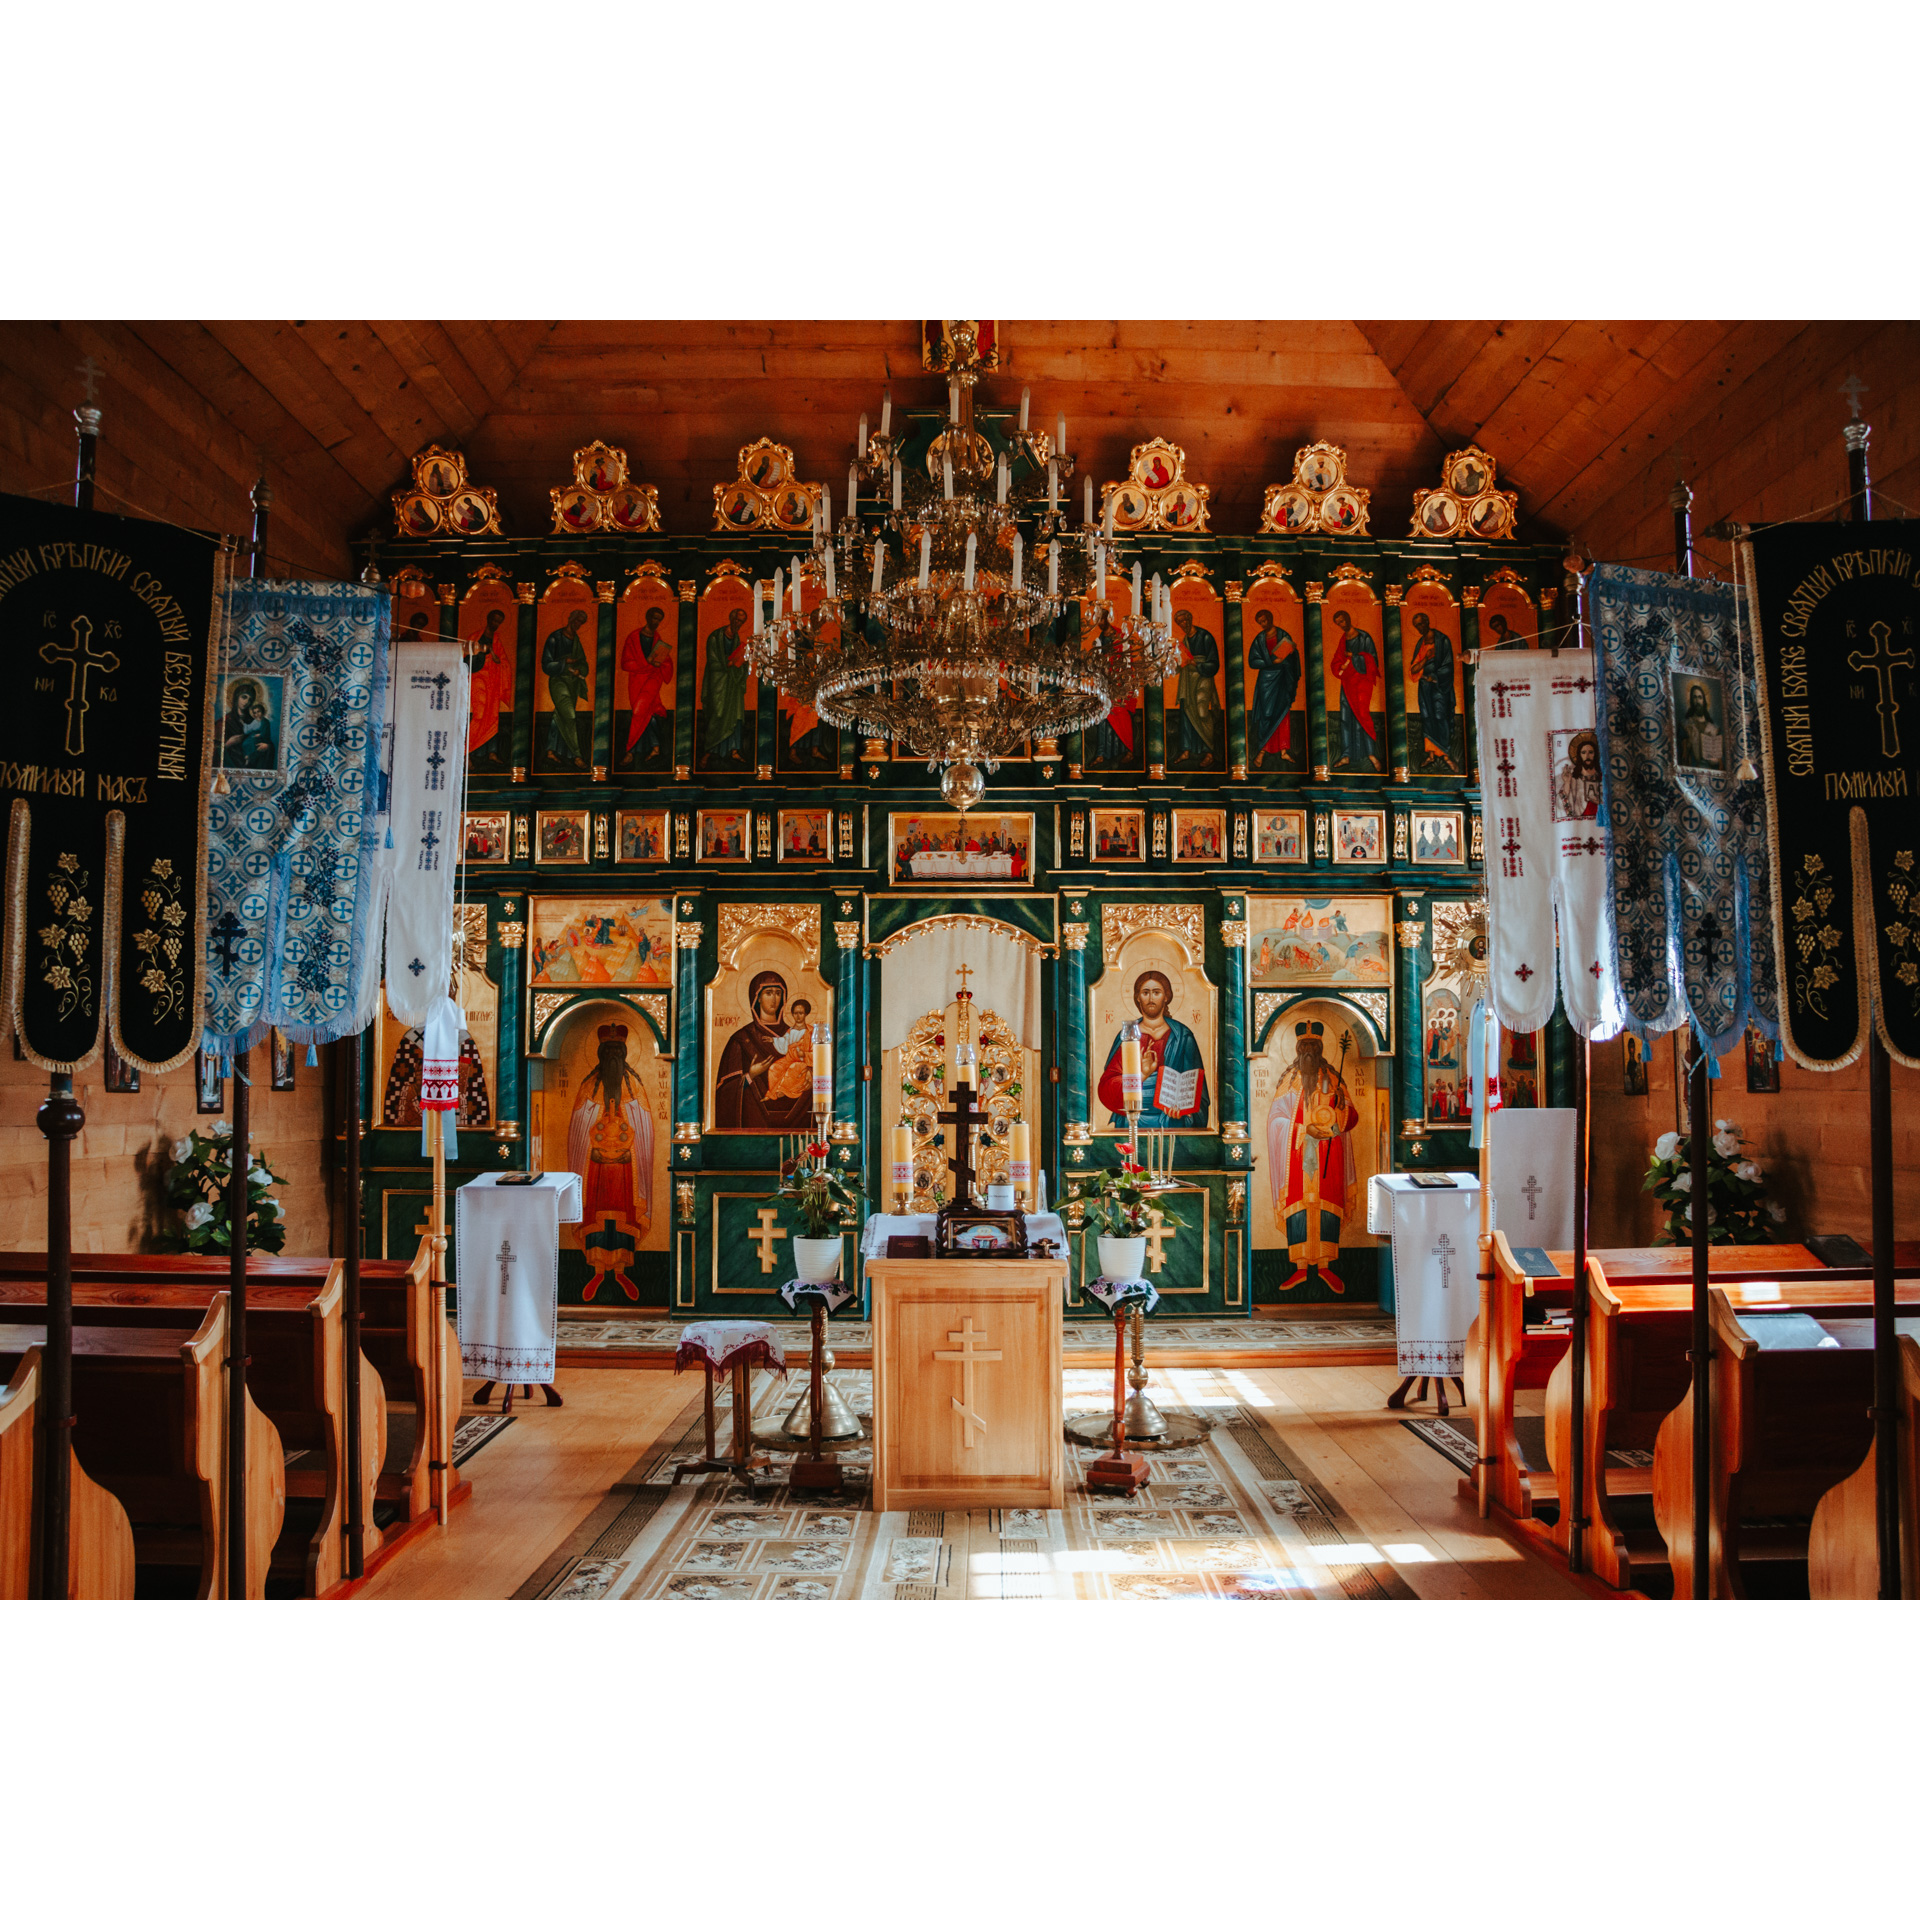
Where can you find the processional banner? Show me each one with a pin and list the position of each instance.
(1681, 807)
(107, 630)
(1834, 614)
(290, 877)
(1547, 864)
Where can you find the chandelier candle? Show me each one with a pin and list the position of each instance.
(1026, 396)
(853, 485)
(1018, 554)
(863, 440)
(827, 552)
(886, 416)
(1006, 473)
(946, 463)
(926, 556)
(879, 562)
(896, 486)
(969, 576)
(1053, 486)
(1060, 444)
(1089, 499)
(1053, 569)
(1137, 602)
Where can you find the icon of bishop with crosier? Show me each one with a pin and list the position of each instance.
(1310, 1159)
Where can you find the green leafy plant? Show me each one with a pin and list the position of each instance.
(1116, 1199)
(1738, 1211)
(196, 1189)
(822, 1194)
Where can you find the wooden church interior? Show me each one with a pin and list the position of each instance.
(657, 847)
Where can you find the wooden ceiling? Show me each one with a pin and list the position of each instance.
(1588, 420)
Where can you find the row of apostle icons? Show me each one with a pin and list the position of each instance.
(1193, 711)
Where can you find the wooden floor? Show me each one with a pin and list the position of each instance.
(536, 1482)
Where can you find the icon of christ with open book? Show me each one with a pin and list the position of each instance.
(1173, 1078)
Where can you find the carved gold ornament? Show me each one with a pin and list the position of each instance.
(1467, 504)
(1318, 499)
(764, 496)
(923, 1094)
(1460, 943)
(741, 920)
(1156, 496)
(601, 498)
(442, 503)
(1120, 922)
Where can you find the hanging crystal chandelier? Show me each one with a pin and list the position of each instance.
(944, 620)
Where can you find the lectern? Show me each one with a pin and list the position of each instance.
(967, 1403)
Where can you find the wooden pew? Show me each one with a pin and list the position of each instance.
(1843, 1549)
(396, 1340)
(150, 1428)
(1638, 1372)
(100, 1539)
(1523, 1356)
(1792, 1394)
(296, 1355)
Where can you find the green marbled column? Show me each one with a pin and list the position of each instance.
(683, 678)
(1409, 965)
(847, 1025)
(510, 937)
(1469, 643)
(1153, 707)
(686, 1043)
(1396, 688)
(603, 678)
(1317, 756)
(1236, 683)
(1073, 1026)
(1233, 1025)
(526, 654)
(766, 725)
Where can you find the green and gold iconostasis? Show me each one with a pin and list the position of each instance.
(673, 873)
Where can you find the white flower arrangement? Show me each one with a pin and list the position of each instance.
(1737, 1211)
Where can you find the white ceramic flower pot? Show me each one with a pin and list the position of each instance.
(816, 1259)
(1122, 1259)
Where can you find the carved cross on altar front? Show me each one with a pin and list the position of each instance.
(1533, 1190)
(969, 1357)
(1445, 1252)
(79, 659)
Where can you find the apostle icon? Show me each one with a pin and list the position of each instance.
(1501, 633)
(1310, 1160)
(563, 659)
(1432, 664)
(1700, 721)
(1439, 514)
(250, 729)
(1355, 666)
(469, 514)
(647, 661)
(1173, 1078)
(1197, 692)
(1576, 775)
(723, 691)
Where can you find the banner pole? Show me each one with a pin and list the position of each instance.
(437, 1295)
(1886, 1381)
(357, 1493)
(1573, 1507)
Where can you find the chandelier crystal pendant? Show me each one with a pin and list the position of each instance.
(940, 622)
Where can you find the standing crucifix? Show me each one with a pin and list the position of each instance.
(963, 1116)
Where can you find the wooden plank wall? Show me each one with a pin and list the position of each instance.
(120, 1160)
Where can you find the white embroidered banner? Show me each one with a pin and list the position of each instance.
(1546, 860)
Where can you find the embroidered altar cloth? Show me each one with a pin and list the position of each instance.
(507, 1247)
(717, 1344)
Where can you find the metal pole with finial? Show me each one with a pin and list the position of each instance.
(1886, 1374)
(239, 1208)
(60, 1120)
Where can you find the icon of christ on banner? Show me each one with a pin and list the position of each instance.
(1310, 1160)
(1173, 1078)
(610, 1146)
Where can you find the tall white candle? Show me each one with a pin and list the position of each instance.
(896, 486)
(886, 413)
(1053, 485)
(797, 583)
(1100, 570)
(1053, 566)
(1026, 394)
(863, 436)
(758, 611)
(969, 578)
(829, 553)
(853, 489)
(779, 589)
(1138, 607)
(879, 562)
(1089, 499)
(1060, 436)
(926, 554)
(822, 1067)
(946, 466)
(1006, 474)
(1019, 552)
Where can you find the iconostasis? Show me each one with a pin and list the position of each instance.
(678, 881)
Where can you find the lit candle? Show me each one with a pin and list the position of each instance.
(969, 578)
(896, 486)
(879, 561)
(886, 413)
(1089, 499)
(953, 402)
(946, 467)
(1005, 475)
(1053, 485)
(1020, 1162)
(822, 1067)
(1026, 394)
(863, 436)
(853, 483)
(926, 555)
(1053, 566)
(1060, 436)
(1130, 1065)
(1139, 606)
(963, 1064)
(1019, 552)
(900, 1157)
